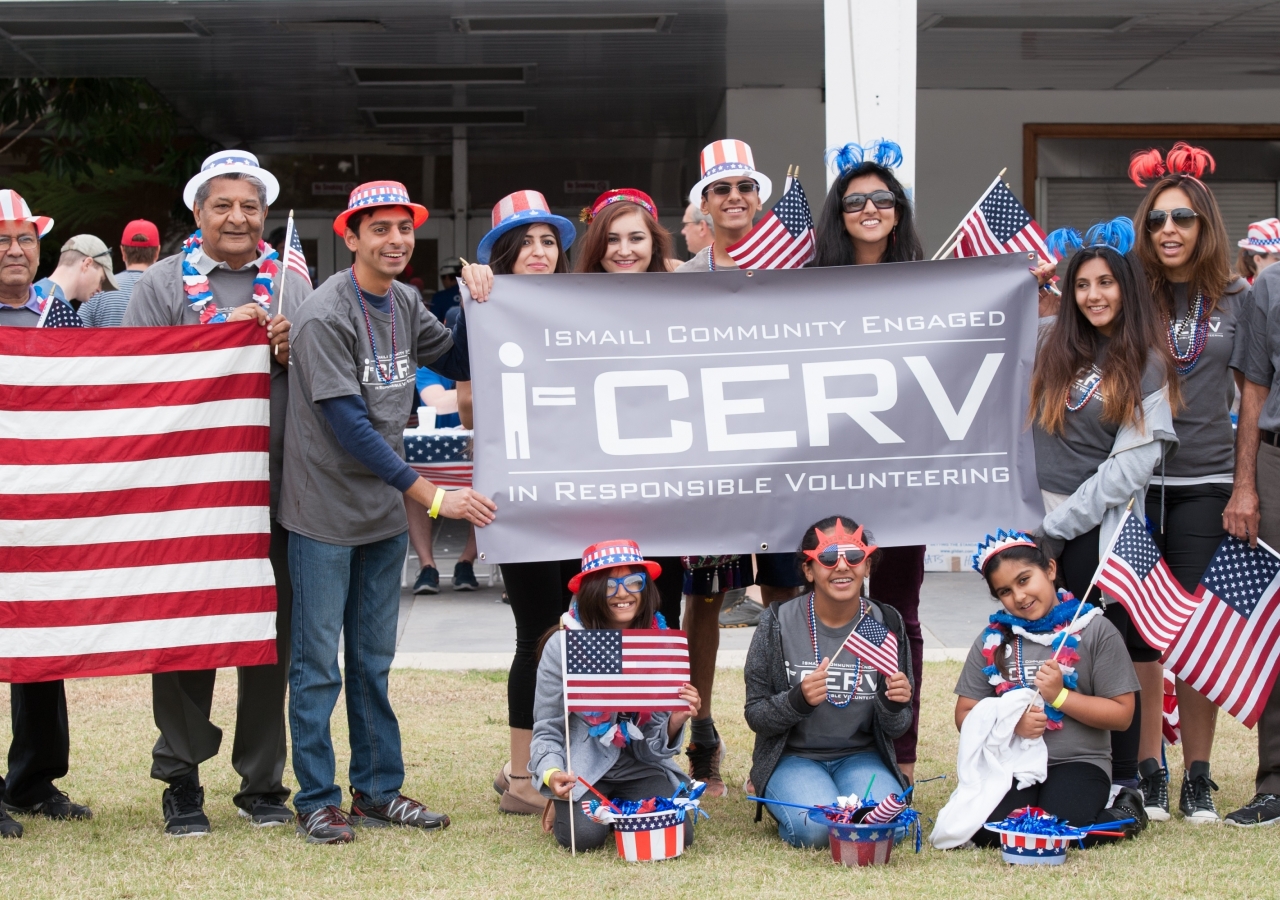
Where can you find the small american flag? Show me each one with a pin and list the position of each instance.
(1229, 647)
(874, 643)
(1134, 573)
(633, 670)
(58, 314)
(1000, 224)
(783, 239)
(294, 258)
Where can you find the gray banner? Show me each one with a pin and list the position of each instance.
(725, 412)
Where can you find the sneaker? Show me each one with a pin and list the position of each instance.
(1153, 782)
(267, 812)
(428, 581)
(1263, 809)
(9, 826)
(464, 577)
(58, 807)
(743, 614)
(400, 810)
(183, 808)
(704, 765)
(1197, 796)
(326, 825)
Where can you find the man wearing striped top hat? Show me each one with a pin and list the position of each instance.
(731, 192)
(226, 273)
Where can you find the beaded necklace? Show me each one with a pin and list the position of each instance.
(817, 655)
(711, 257)
(1090, 388)
(1198, 336)
(200, 295)
(389, 375)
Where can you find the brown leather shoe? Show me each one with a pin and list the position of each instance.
(517, 806)
(500, 781)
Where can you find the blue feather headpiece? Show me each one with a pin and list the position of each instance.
(1002, 541)
(1116, 234)
(882, 152)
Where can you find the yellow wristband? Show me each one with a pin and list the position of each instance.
(1060, 699)
(546, 776)
(436, 502)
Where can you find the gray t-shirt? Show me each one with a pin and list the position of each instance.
(18, 316)
(1104, 670)
(1066, 461)
(1262, 362)
(158, 298)
(829, 732)
(1206, 438)
(700, 262)
(327, 494)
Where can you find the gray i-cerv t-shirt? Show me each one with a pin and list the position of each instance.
(327, 494)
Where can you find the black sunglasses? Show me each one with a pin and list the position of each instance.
(1182, 217)
(722, 189)
(830, 557)
(855, 202)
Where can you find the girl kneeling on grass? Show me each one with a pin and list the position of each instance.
(824, 719)
(1087, 692)
(628, 756)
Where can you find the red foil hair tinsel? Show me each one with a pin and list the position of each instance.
(1182, 159)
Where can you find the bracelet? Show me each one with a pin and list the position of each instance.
(1060, 699)
(546, 776)
(436, 502)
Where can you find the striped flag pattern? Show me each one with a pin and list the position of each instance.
(520, 201)
(294, 258)
(134, 501)
(1000, 224)
(637, 670)
(783, 239)
(648, 837)
(875, 644)
(1135, 574)
(1230, 646)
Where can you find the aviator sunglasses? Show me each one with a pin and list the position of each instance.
(853, 203)
(830, 557)
(632, 584)
(721, 189)
(1182, 217)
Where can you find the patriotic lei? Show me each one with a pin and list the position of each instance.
(627, 728)
(200, 295)
(1050, 631)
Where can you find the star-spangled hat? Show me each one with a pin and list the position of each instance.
(611, 555)
(1002, 541)
(725, 159)
(523, 208)
(372, 194)
(229, 162)
(14, 209)
(1264, 237)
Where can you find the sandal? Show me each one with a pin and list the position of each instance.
(516, 806)
(549, 817)
(501, 781)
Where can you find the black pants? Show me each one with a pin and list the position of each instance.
(181, 702)
(1075, 792)
(896, 582)
(590, 834)
(670, 588)
(539, 595)
(41, 742)
(1192, 527)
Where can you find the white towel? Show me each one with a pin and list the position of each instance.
(991, 757)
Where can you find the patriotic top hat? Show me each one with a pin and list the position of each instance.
(379, 193)
(727, 159)
(1264, 237)
(228, 162)
(14, 209)
(523, 208)
(611, 555)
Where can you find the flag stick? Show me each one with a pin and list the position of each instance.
(284, 272)
(1128, 511)
(568, 758)
(867, 796)
(592, 788)
(947, 244)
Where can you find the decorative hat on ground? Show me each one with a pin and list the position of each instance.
(619, 195)
(1182, 159)
(14, 209)
(230, 162)
(882, 152)
(611, 555)
(1264, 237)
(727, 159)
(373, 194)
(523, 208)
(1002, 541)
(1116, 234)
(841, 539)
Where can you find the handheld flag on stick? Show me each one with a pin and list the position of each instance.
(625, 671)
(784, 238)
(999, 223)
(874, 643)
(294, 258)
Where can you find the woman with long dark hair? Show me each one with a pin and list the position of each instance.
(623, 235)
(1184, 255)
(1102, 397)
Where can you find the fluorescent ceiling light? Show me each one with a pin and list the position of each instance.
(79, 29)
(331, 26)
(1028, 23)
(567, 24)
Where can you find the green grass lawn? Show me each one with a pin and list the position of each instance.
(455, 736)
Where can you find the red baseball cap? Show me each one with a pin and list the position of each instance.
(140, 233)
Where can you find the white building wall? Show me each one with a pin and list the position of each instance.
(784, 127)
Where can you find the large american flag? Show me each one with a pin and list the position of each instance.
(875, 644)
(134, 501)
(1228, 649)
(634, 670)
(783, 239)
(1135, 574)
(294, 258)
(1000, 224)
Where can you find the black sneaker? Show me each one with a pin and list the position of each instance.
(9, 826)
(1197, 796)
(183, 807)
(266, 812)
(428, 581)
(326, 825)
(58, 807)
(1153, 782)
(1128, 804)
(1263, 809)
(464, 577)
(400, 810)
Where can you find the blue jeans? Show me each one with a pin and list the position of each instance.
(352, 592)
(815, 783)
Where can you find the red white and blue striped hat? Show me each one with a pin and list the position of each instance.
(229, 162)
(727, 159)
(523, 208)
(14, 209)
(379, 193)
(610, 555)
(1264, 237)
